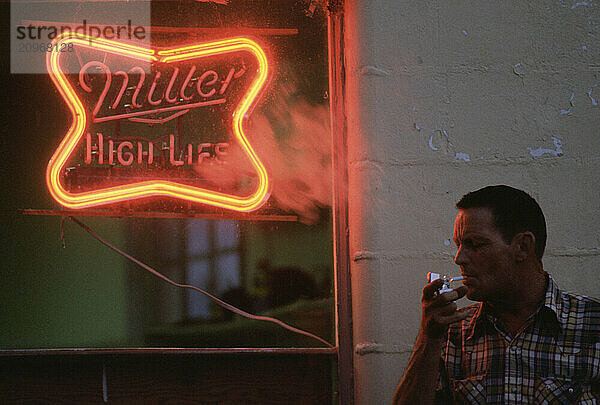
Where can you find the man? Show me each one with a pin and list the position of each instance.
(526, 341)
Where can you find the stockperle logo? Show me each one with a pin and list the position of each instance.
(136, 93)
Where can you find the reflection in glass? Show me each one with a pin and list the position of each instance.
(198, 275)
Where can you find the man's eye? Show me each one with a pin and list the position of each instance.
(472, 245)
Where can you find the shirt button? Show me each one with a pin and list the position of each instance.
(570, 390)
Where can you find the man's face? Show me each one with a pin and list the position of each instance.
(486, 261)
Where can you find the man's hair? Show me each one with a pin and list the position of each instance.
(513, 211)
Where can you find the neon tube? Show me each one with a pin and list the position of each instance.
(151, 188)
(157, 110)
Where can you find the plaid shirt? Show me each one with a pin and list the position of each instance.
(555, 359)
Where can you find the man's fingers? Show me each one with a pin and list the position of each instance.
(455, 294)
(440, 310)
(438, 324)
(447, 309)
(431, 288)
(450, 296)
(455, 317)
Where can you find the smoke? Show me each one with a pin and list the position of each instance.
(293, 140)
(298, 155)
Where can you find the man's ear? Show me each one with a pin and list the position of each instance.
(524, 243)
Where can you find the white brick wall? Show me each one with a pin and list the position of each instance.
(445, 97)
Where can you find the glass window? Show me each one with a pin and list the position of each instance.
(213, 265)
(153, 124)
(199, 275)
(198, 242)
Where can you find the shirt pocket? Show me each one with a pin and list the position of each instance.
(557, 391)
(470, 391)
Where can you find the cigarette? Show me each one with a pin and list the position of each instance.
(456, 278)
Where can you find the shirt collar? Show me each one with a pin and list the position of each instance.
(475, 324)
(553, 304)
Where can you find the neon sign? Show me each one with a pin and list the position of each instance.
(180, 80)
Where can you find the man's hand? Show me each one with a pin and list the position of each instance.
(419, 382)
(439, 310)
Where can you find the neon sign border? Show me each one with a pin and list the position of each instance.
(153, 187)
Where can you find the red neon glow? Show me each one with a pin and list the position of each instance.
(124, 152)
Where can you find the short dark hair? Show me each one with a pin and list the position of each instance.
(514, 211)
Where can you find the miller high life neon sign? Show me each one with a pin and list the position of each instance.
(127, 119)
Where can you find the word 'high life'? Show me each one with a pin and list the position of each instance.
(126, 153)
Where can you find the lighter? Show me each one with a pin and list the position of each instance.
(447, 280)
